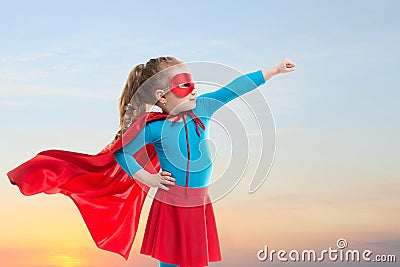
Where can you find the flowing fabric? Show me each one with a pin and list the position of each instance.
(109, 200)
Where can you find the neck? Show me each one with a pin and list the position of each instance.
(176, 114)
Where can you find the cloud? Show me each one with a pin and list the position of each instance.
(29, 57)
(31, 91)
(8, 75)
(15, 103)
(390, 244)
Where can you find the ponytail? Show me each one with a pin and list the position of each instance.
(130, 106)
(133, 103)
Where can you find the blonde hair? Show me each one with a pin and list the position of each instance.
(134, 102)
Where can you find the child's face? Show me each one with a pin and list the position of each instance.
(174, 103)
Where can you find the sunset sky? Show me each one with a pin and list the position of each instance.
(335, 172)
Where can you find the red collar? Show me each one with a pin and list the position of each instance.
(196, 119)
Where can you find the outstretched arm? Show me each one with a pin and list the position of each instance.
(212, 101)
(284, 67)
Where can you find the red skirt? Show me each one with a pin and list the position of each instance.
(181, 228)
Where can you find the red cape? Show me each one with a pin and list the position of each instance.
(109, 200)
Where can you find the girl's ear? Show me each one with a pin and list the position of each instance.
(160, 94)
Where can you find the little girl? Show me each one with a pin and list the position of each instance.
(151, 149)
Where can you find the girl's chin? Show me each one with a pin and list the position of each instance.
(189, 105)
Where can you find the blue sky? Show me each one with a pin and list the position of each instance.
(63, 66)
(65, 60)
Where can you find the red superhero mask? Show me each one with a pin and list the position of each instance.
(182, 84)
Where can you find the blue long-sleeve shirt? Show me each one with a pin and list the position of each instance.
(169, 139)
